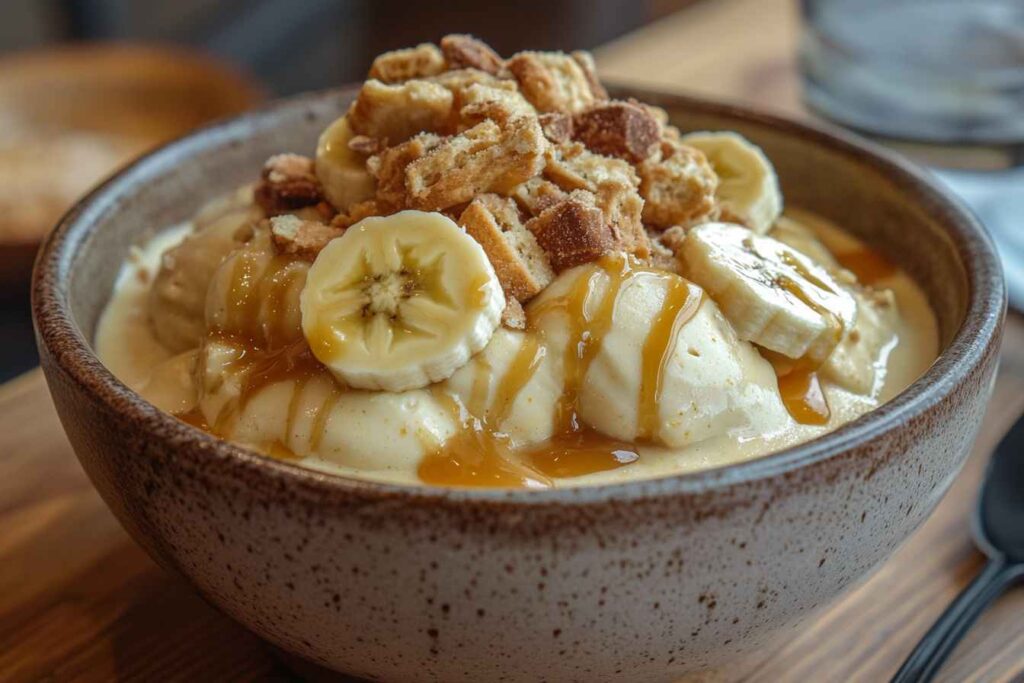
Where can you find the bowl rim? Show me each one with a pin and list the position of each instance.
(68, 348)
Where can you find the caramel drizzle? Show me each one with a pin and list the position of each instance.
(481, 388)
(269, 351)
(518, 375)
(799, 385)
(681, 303)
(867, 264)
(243, 304)
(587, 332)
(275, 284)
(803, 396)
(322, 418)
(475, 455)
(480, 455)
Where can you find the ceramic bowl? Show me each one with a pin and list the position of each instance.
(641, 581)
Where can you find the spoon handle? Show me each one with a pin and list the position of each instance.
(936, 645)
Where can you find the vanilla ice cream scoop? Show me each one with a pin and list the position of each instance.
(177, 299)
(664, 366)
(514, 384)
(289, 406)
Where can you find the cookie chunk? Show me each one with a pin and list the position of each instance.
(500, 104)
(678, 186)
(463, 51)
(486, 158)
(586, 62)
(573, 231)
(388, 167)
(537, 194)
(552, 81)
(357, 212)
(288, 183)
(618, 129)
(623, 207)
(402, 65)
(458, 80)
(302, 238)
(572, 167)
(557, 127)
(520, 263)
(397, 112)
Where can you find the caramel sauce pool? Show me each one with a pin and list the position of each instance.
(868, 265)
(803, 397)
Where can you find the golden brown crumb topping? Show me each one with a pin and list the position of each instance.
(619, 129)
(466, 52)
(304, 238)
(528, 154)
(288, 183)
(402, 65)
(573, 231)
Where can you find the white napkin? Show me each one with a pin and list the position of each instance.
(998, 200)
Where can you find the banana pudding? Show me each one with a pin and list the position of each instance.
(491, 274)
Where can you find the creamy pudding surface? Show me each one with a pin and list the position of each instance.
(490, 274)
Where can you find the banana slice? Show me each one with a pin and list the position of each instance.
(748, 189)
(399, 302)
(342, 171)
(772, 294)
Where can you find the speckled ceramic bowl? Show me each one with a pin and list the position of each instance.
(642, 581)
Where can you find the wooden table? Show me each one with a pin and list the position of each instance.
(78, 600)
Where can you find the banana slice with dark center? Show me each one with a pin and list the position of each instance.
(399, 302)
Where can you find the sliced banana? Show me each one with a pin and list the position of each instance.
(748, 189)
(772, 294)
(342, 171)
(399, 302)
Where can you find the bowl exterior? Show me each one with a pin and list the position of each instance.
(644, 581)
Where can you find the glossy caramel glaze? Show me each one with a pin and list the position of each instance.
(682, 299)
(867, 264)
(803, 397)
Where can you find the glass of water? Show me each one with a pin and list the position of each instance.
(942, 80)
(933, 70)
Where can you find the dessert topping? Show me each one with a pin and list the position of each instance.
(288, 183)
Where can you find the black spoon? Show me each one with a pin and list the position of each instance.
(999, 532)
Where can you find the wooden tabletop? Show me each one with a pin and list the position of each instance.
(78, 600)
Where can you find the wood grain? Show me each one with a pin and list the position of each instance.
(79, 601)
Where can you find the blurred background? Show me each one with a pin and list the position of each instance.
(85, 85)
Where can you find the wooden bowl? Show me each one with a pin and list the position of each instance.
(640, 581)
(90, 109)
